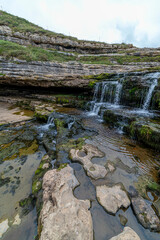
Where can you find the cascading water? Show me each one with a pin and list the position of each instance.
(117, 94)
(106, 94)
(149, 95)
(153, 78)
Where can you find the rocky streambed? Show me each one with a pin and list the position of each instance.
(70, 176)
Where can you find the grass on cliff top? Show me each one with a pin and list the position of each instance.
(18, 24)
(29, 53)
(118, 59)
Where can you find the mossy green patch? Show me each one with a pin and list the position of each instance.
(39, 173)
(29, 150)
(41, 117)
(73, 143)
(63, 165)
(92, 83)
(99, 77)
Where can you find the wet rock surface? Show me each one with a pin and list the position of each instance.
(112, 198)
(144, 212)
(63, 216)
(84, 156)
(127, 234)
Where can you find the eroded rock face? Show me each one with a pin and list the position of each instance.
(84, 156)
(63, 216)
(127, 234)
(112, 198)
(59, 43)
(144, 212)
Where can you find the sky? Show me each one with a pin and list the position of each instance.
(111, 21)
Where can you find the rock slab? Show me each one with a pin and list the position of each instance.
(112, 198)
(143, 211)
(84, 156)
(62, 215)
(127, 234)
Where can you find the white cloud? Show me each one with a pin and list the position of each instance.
(131, 21)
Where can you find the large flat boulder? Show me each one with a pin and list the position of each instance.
(112, 198)
(63, 216)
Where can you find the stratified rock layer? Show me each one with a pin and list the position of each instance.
(127, 234)
(59, 42)
(63, 216)
(112, 198)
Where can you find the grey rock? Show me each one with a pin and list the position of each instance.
(112, 198)
(84, 156)
(145, 213)
(127, 234)
(63, 216)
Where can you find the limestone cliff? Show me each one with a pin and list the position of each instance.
(32, 56)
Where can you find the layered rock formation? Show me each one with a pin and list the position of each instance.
(58, 42)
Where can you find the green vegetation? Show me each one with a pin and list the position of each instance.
(11, 50)
(73, 143)
(102, 76)
(145, 132)
(107, 60)
(18, 24)
(29, 53)
(63, 165)
(92, 83)
(41, 117)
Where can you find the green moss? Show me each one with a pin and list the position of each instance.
(27, 204)
(63, 165)
(133, 90)
(2, 74)
(154, 187)
(36, 186)
(98, 77)
(145, 131)
(39, 173)
(59, 123)
(92, 83)
(41, 117)
(74, 143)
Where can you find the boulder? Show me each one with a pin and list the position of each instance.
(143, 211)
(127, 234)
(62, 215)
(112, 198)
(84, 156)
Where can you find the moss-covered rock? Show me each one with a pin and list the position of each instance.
(39, 173)
(41, 117)
(146, 133)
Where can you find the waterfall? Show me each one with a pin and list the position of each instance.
(106, 93)
(50, 120)
(117, 94)
(149, 95)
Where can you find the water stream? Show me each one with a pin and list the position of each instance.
(107, 95)
(21, 153)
